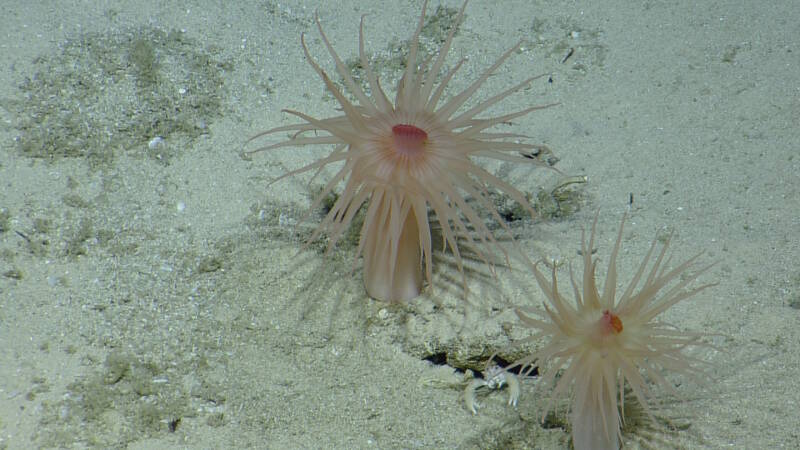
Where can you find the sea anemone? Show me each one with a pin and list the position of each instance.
(601, 341)
(402, 158)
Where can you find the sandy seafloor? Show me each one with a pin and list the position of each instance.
(154, 297)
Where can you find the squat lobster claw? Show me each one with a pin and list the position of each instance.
(493, 378)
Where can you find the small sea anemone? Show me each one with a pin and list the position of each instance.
(602, 341)
(405, 156)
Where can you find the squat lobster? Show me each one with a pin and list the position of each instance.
(493, 378)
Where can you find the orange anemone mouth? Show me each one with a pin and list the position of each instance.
(611, 323)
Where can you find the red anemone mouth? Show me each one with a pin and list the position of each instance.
(409, 140)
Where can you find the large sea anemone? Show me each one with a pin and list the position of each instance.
(407, 156)
(602, 341)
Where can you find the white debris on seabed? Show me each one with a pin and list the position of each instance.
(156, 143)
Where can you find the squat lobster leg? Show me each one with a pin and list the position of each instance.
(493, 378)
